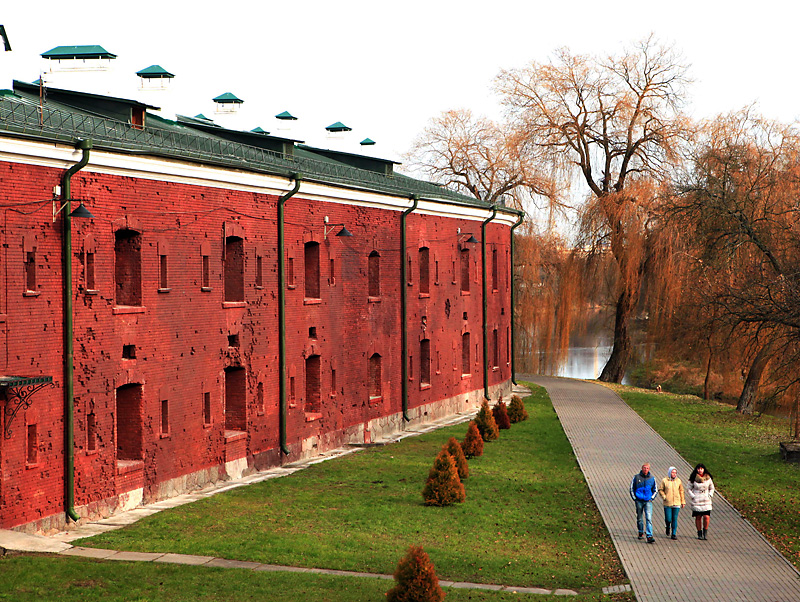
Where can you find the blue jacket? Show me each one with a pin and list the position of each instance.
(643, 488)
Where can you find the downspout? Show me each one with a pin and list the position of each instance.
(485, 306)
(69, 367)
(513, 307)
(404, 304)
(282, 311)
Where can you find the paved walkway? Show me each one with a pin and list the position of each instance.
(611, 443)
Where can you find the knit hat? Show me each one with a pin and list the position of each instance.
(669, 472)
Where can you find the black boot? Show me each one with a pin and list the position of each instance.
(699, 534)
(668, 529)
(705, 533)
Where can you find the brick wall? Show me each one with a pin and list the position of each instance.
(180, 340)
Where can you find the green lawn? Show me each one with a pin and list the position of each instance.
(742, 454)
(528, 520)
(42, 578)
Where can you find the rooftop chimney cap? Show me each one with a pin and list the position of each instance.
(78, 52)
(367, 142)
(154, 71)
(259, 130)
(338, 127)
(286, 115)
(228, 98)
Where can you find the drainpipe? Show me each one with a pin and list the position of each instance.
(513, 307)
(69, 383)
(282, 311)
(485, 333)
(404, 304)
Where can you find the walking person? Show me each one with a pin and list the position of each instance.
(643, 491)
(671, 491)
(701, 490)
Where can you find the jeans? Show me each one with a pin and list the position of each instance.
(645, 508)
(671, 517)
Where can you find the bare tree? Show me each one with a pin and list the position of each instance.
(477, 157)
(613, 122)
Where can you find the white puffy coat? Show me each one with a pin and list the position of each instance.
(701, 492)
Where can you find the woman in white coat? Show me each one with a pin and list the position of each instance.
(701, 490)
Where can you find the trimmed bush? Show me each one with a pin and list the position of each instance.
(453, 447)
(443, 487)
(516, 410)
(486, 424)
(472, 443)
(416, 579)
(501, 415)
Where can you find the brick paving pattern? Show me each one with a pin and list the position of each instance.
(611, 443)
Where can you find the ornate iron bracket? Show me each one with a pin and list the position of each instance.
(18, 393)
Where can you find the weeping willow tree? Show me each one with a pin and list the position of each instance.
(614, 124)
(737, 204)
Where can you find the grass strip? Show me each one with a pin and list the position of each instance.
(42, 578)
(528, 520)
(742, 454)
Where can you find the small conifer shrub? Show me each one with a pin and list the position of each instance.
(473, 442)
(443, 487)
(415, 579)
(453, 448)
(486, 424)
(500, 414)
(516, 410)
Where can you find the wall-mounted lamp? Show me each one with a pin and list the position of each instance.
(471, 236)
(329, 228)
(80, 211)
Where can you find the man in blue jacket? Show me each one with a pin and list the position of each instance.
(643, 491)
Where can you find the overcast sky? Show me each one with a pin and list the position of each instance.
(385, 68)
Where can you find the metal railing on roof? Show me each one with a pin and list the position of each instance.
(42, 121)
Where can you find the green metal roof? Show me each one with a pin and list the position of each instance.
(367, 142)
(78, 52)
(286, 115)
(203, 117)
(259, 130)
(227, 98)
(21, 116)
(154, 71)
(338, 127)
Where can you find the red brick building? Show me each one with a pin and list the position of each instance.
(222, 321)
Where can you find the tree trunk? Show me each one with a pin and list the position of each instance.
(747, 400)
(708, 375)
(614, 369)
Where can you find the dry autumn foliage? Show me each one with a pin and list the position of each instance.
(443, 487)
(473, 442)
(415, 578)
(453, 448)
(486, 424)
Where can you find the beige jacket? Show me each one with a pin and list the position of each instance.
(671, 490)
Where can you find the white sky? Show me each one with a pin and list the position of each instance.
(385, 68)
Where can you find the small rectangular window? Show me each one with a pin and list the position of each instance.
(495, 272)
(91, 433)
(290, 271)
(129, 352)
(333, 381)
(292, 391)
(233, 340)
(410, 367)
(206, 282)
(259, 272)
(206, 408)
(425, 362)
(332, 277)
(163, 283)
(260, 398)
(90, 271)
(30, 271)
(33, 445)
(164, 417)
